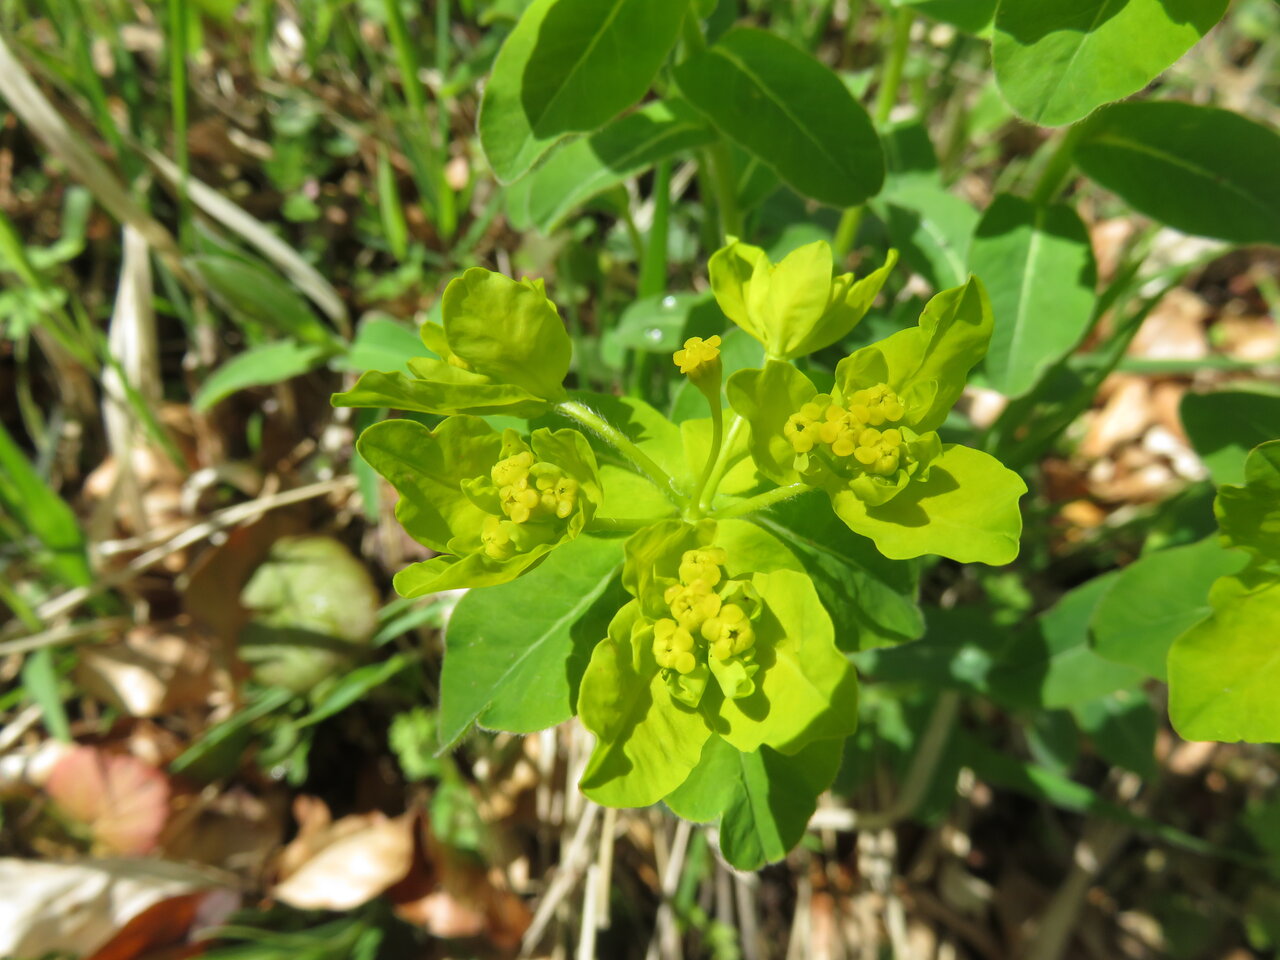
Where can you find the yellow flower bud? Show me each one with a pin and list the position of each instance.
(880, 452)
(702, 565)
(698, 356)
(876, 405)
(514, 468)
(691, 605)
(729, 632)
(673, 647)
(519, 500)
(497, 541)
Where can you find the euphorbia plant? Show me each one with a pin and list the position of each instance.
(724, 645)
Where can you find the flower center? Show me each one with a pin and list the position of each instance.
(861, 429)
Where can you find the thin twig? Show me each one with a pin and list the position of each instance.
(66, 602)
(65, 634)
(666, 940)
(571, 870)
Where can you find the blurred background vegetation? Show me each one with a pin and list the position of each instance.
(213, 213)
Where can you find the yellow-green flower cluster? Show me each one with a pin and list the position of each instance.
(865, 429)
(711, 616)
(531, 495)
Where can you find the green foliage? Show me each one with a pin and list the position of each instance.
(788, 110)
(1202, 170)
(1057, 60)
(570, 66)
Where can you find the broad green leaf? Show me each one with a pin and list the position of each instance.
(967, 510)
(381, 343)
(709, 788)
(793, 307)
(508, 331)
(427, 468)
(570, 66)
(1198, 169)
(765, 399)
(1037, 264)
(1050, 664)
(455, 392)
(1122, 726)
(911, 162)
(254, 294)
(1224, 675)
(1057, 60)
(257, 367)
(951, 337)
(773, 797)
(1157, 598)
(1249, 515)
(806, 689)
(1225, 425)
(931, 228)
(788, 110)
(514, 653)
(646, 742)
(626, 147)
(31, 502)
(871, 600)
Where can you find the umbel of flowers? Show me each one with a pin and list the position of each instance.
(724, 647)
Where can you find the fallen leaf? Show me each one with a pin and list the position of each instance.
(341, 865)
(122, 800)
(151, 672)
(78, 907)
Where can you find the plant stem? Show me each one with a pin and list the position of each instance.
(653, 268)
(720, 167)
(620, 524)
(602, 428)
(763, 501)
(890, 84)
(178, 91)
(713, 456)
(722, 464)
(1057, 168)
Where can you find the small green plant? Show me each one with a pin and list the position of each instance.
(723, 646)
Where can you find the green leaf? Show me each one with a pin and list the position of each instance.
(951, 337)
(394, 226)
(1050, 664)
(28, 498)
(1057, 60)
(1224, 675)
(966, 510)
(254, 294)
(1249, 515)
(870, 599)
(932, 228)
(773, 797)
(352, 686)
(646, 742)
(257, 367)
(1155, 600)
(971, 16)
(626, 147)
(1201, 170)
(794, 307)
(1225, 425)
(455, 392)
(1037, 264)
(569, 66)
(766, 399)
(381, 343)
(40, 681)
(806, 689)
(515, 653)
(1123, 728)
(508, 331)
(788, 110)
(710, 786)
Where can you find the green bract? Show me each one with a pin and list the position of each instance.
(493, 505)
(707, 646)
(871, 443)
(502, 349)
(794, 307)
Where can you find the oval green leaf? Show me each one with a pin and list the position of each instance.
(1038, 267)
(1201, 170)
(569, 67)
(1057, 60)
(790, 111)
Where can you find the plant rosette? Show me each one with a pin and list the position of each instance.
(501, 349)
(709, 644)
(492, 505)
(872, 444)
